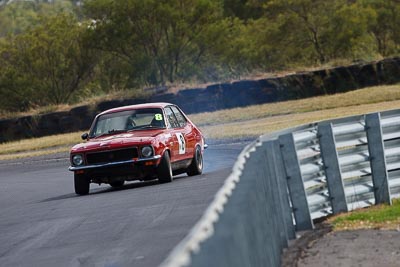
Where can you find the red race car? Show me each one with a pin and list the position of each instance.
(139, 142)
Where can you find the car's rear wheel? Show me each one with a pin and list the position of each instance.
(196, 167)
(82, 184)
(117, 184)
(164, 170)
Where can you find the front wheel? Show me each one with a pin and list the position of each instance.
(196, 167)
(82, 184)
(164, 170)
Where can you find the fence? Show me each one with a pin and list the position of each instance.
(283, 181)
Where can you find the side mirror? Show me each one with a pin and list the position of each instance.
(85, 136)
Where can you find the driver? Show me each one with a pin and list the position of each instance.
(130, 123)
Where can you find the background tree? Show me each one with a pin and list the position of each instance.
(47, 64)
(160, 39)
(317, 31)
(243, 9)
(385, 26)
(63, 51)
(18, 16)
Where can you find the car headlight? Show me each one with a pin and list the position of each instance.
(147, 151)
(77, 160)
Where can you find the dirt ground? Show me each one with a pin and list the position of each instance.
(323, 247)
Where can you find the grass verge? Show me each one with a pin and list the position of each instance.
(35, 153)
(370, 95)
(38, 146)
(375, 217)
(257, 127)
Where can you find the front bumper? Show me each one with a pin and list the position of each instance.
(112, 164)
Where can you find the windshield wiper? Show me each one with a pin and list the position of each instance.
(113, 131)
(148, 127)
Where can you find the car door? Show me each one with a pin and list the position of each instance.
(186, 129)
(177, 140)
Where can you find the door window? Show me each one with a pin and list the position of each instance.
(179, 116)
(171, 118)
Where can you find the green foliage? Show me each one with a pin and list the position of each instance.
(45, 65)
(243, 9)
(349, 38)
(385, 26)
(161, 40)
(18, 16)
(60, 51)
(318, 30)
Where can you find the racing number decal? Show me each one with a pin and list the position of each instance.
(158, 117)
(182, 143)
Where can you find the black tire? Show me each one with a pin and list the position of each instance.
(164, 170)
(82, 184)
(117, 184)
(196, 167)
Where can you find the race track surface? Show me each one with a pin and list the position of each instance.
(43, 222)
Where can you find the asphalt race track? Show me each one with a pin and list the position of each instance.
(43, 222)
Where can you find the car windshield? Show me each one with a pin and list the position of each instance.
(128, 120)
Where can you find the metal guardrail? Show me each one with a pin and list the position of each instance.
(283, 181)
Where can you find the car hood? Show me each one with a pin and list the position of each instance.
(117, 141)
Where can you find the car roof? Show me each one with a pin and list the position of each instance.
(139, 106)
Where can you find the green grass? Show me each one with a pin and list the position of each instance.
(375, 217)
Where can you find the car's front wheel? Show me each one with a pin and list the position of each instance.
(82, 184)
(164, 170)
(196, 167)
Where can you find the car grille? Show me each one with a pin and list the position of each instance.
(112, 156)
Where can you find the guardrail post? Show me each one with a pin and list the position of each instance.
(276, 171)
(297, 192)
(377, 158)
(332, 168)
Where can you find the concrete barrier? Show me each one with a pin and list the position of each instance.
(283, 181)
